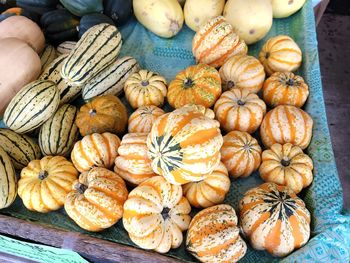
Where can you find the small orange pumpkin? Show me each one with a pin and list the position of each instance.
(143, 118)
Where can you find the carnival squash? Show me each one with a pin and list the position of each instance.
(8, 182)
(143, 118)
(200, 108)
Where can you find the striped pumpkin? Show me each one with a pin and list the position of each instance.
(47, 56)
(145, 88)
(280, 54)
(95, 51)
(211, 190)
(286, 124)
(216, 42)
(184, 146)
(21, 148)
(285, 88)
(156, 214)
(95, 150)
(65, 47)
(242, 72)
(198, 84)
(200, 108)
(59, 133)
(213, 236)
(240, 110)
(32, 106)
(273, 218)
(143, 118)
(8, 183)
(112, 79)
(240, 153)
(133, 164)
(287, 165)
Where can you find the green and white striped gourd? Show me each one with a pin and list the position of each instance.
(66, 47)
(47, 56)
(8, 183)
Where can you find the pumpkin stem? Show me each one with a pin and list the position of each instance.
(267, 55)
(188, 83)
(285, 162)
(81, 188)
(43, 174)
(92, 112)
(230, 84)
(290, 82)
(240, 102)
(165, 213)
(145, 83)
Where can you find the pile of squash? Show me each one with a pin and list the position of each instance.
(148, 169)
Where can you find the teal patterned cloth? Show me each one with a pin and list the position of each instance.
(330, 237)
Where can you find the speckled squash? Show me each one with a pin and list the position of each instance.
(240, 110)
(8, 182)
(286, 124)
(241, 154)
(156, 214)
(213, 236)
(184, 145)
(65, 47)
(198, 84)
(97, 199)
(211, 190)
(143, 118)
(286, 165)
(47, 56)
(273, 218)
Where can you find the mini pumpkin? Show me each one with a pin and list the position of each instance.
(273, 218)
(213, 235)
(96, 200)
(285, 88)
(143, 118)
(95, 150)
(198, 84)
(217, 41)
(239, 110)
(286, 124)
(145, 88)
(45, 183)
(241, 154)
(156, 214)
(286, 165)
(242, 72)
(103, 114)
(280, 54)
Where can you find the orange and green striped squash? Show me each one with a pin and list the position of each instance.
(143, 118)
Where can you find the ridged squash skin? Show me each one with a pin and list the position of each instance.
(207, 112)
(286, 8)
(8, 182)
(83, 7)
(143, 118)
(47, 56)
(65, 47)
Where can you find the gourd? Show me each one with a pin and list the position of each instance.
(286, 8)
(93, 19)
(8, 182)
(213, 235)
(285, 88)
(83, 7)
(143, 118)
(95, 150)
(184, 145)
(241, 154)
(145, 88)
(286, 124)
(156, 214)
(40, 7)
(32, 106)
(96, 200)
(211, 190)
(47, 56)
(119, 10)
(198, 84)
(103, 114)
(239, 110)
(65, 47)
(280, 54)
(286, 165)
(242, 72)
(215, 42)
(274, 219)
(200, 108)
(45, 183)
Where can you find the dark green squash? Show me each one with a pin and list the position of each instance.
(91, 20)
(83, 7)
(6, 4)
(119, 10)
(18, 11)
(38, 6)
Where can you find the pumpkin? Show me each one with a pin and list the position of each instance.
(213, 236)
(217, 41)
(8, 182)
(285, 88)
(239, 110)
(145, 88)
(83, 7)
(45, 183)
(93, 19)
(95, 150)
(241, 154)
(286, 165)
(119, 10)
(198, 84)
(156, 214)
(242, 72)
(96, 200)
(184, 145)
(280, 54)
(200, 108)
(286, 124)
(211, 190)
(273, 218)
(143, 118)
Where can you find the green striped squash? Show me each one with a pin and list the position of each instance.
(59, 133)
(21, 148)
(32, 106)
(111, 80)
(66, 47)
(47, 56)
(8, 184)
(96, 50)
(53, 72)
